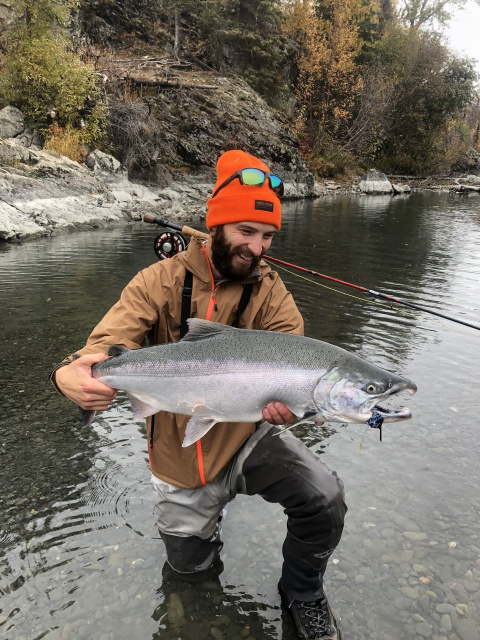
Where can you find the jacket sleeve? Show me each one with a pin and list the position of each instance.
(128, 321)
(279, 311)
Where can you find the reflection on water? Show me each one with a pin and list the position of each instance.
(79, 554)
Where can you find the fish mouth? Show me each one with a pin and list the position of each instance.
(391, 415)
(394, 415)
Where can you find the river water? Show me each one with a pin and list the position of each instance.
(80, 556)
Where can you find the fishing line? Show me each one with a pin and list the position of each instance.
(377, 294)
(281, 264)
(377, 303)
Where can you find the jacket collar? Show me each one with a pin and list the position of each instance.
(195, 260)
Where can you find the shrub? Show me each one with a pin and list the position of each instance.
(41, 74)
(67, 142)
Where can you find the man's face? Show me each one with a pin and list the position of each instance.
(237, 248)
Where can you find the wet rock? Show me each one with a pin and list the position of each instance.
(410, 592)
(445, 608)
(175, 611)
(419, 568)
(468, 630)
(415, 536)
(446, 623)
(221, 620)
(216, 634)
(116, 560)
(423, 629)
(196, 631)
(404, 523)
(405, 556)
(347, 594)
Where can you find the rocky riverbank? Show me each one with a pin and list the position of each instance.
(44, 194)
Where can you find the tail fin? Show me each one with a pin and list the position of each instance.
(86, 417)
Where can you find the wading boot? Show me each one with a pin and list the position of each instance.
(313, 620)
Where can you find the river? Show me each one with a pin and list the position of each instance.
(80, 556)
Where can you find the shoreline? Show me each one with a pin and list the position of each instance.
(47, 195)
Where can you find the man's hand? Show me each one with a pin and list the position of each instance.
(279, 413)
(75, 381)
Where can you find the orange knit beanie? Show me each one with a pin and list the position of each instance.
(240, 202)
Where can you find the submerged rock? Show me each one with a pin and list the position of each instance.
(175, 611)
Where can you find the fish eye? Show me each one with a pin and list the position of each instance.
(371, 388)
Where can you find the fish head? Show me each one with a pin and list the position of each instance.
(355, 396)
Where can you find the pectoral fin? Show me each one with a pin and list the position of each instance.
(308, 416)
(142, 407)
(196, 429)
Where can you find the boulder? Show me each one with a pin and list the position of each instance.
(401, 188)
(375, 182)
(469, 180)
(12, 122)
(8, 9)
(30, 138)
(12, 154)
(101, 162)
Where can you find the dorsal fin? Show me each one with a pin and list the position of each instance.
(199, 329)
(116, 350)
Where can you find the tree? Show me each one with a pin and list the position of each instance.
(419, 12)
(44, 78)
(431, 88)
(244, 36)
(329, 78)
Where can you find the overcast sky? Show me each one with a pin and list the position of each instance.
(463, 31)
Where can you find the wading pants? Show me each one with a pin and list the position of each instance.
(280, 469)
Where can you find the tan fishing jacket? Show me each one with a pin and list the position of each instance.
(150, 305)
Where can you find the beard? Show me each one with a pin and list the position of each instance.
(223, 254)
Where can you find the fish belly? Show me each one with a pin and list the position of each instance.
(225, 396)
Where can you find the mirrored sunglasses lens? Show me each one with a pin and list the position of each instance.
(253, 177)
(275, 181)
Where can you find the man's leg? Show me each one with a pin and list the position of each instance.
(189, 522)
(283, 470)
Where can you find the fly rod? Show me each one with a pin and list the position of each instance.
(188, 231)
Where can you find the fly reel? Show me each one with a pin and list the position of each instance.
(169, 244)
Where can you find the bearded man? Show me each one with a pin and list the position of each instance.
(225, 280)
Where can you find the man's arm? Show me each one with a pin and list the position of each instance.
(127, 323)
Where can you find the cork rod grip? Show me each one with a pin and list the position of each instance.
(188, 231)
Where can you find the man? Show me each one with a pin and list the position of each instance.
(224, 280)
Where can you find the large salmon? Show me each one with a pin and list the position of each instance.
(221, 374)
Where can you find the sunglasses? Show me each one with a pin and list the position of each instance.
(255, 178)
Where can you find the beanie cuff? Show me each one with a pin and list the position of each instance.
(248, 207)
